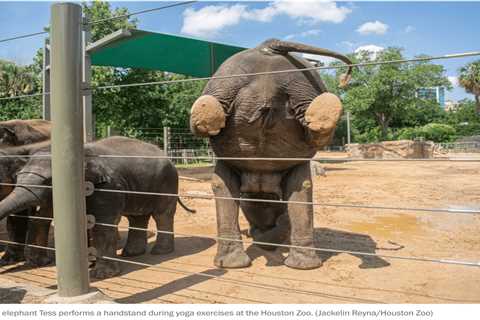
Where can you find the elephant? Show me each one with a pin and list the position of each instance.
(118, 173)
(22, 132)
(278, 115)
(12, 160)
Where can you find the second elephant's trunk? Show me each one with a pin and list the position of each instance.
(20, 199)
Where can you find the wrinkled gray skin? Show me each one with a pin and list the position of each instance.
(23, 132)
(265, 118)
(130, 174)
(16, 226)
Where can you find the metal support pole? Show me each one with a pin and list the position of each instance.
(87, 79)
(165, 139)
(46, 81)
(348, 127)
(67, 150)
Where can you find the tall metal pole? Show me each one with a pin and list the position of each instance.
(67, 150)
(46, 81)
(348, 127)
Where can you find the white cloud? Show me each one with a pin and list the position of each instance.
(453, 80)
(373, 27)
(316, 11)
(209, 20)
(304, 34)
(409, 29)
(370, 49)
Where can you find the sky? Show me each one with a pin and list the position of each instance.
(433, 28)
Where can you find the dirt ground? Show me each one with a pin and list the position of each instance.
(343, 278)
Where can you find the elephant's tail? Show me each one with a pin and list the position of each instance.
(185, 207)
(284, 47)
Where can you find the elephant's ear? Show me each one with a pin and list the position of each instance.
(96, 171)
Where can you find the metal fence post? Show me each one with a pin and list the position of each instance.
(46, 81)
(348, 127)
(166, 139)
(67, 150)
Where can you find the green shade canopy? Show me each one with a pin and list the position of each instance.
(158, 51)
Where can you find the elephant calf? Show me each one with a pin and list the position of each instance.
(125, 174)
(22, 132)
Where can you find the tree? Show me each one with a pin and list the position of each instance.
(385, 95)
(17, 80)
(469, 78)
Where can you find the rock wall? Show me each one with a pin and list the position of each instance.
(401, 149)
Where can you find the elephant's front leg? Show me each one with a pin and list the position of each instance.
(230, 254)
(298, 187)
(104, 240)
(17, 230)
(38, 231)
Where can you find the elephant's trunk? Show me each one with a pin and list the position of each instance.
(287, 46)
(20, 199)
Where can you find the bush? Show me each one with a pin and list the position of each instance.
(436, 132)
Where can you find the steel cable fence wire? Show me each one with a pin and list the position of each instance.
(364, 64)
(28, 35)
(25, 96)
(214, 158)
(210, 196)
(26, 245)
(128, 15)
(203, 274)
(237, 282)
(329, 250)
(289, 246)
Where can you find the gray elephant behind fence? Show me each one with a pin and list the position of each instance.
(279, 115)
(150, 174)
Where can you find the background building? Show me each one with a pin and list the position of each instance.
(432, 93)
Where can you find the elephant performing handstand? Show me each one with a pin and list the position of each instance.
(280, 115)
(152, 175)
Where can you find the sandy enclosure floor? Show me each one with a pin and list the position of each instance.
(343, 278)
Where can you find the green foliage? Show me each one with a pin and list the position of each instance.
(436, 132)
(381, 98)
(464, 119)
(18, 80)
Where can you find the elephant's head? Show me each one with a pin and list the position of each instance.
(36, 172)
(8, 137)
(302, 94)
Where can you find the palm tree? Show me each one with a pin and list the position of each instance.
(469, 79)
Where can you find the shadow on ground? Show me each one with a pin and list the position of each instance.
(330, 239)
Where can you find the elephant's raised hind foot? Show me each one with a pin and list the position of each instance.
(207, 116)
(321, 116)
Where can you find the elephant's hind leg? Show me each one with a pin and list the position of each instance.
(230, 254)
(298, 187)
(136, 239)
(165, 242)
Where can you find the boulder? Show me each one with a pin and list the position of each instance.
(401, 149)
